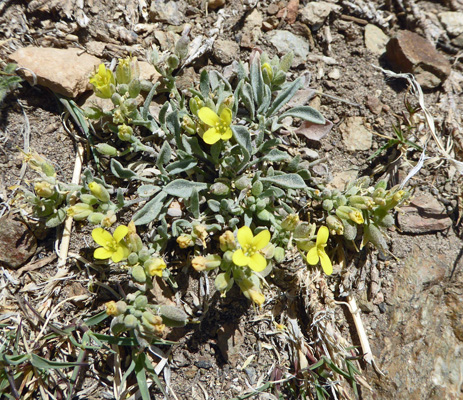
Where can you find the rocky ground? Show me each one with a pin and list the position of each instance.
(410, 299)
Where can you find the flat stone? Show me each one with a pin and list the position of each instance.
(409, 52)
(342, 178)
(17, 243)
(169, 12)
(452, 21)
(458, 41)
(225, 51)
(355, 135)
(64, 71)
(375, 39)
(148, 72)
(252, 31)
(424, 214)
(314, 14)
(374, 105)
(285, 42)
(166, 39)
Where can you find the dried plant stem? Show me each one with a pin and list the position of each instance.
(66, 237)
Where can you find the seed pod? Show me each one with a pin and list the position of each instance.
(116, 99)
(138, 273)
(92, 113)
(335, 223)
(144, 255)
(106, 149)
(172, 316)
(387, 221)
(350, 229)
(340, 201)
(134, 88)
(173, 61)
(96, 218)
(279, 254)
(373, 234)
(80, 211)
(133, 258)
(223, 282)
(361, 202)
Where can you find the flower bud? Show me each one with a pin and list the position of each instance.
(106, 149)
(111, 308)
(251, 291)
(228, 256)
(220, 189)
(268, 251)
(99, 191)
(117, 99)
(350, 229)
(125, 132)
(173, 61)
(199, 263)
(327, 205)
(201, 233)
(343, 212)
(185, 241)
(243, 183)
(189, 125)
(257, 188)
(134, 88)
(387, 221)
(132, 239)
(140, 302)
(155, 266)
(44, 189)
(153, 323)
(227, 241)
(290, 222)
(335, 224)
(340, 201)
(80, 211)
(103, 82)
(92, 112)
(130, 321)
(132, 259)
(144, 254)
(196, 104)
(361, 202)
(109, 219)
(138, 273)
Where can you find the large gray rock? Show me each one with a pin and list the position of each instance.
(17, 242)
(285, 42)
(314, 14)
(166, 11)
(225, 51)
(64, 71)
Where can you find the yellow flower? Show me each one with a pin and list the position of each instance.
(249, 254)
(111, 308)
(220, 126)
(99, 191)
(199, 263)
(112, 245)
(102, 82)
(318, 253)
(155, 266)
(185, 241)
(44, 189)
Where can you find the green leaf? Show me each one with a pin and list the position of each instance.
(257, 82)
(56, 219)
(173, 125)
(243, 138)
(276, 155)
(284, 96)
(96, 319)
(15, 359)
(204, 84)
(194, 203)
(164, 156)
(149, 98)
(214, 205)
(286, 62)
(306, 113)
(183, 188)
(141, 376)
(43, 363)
(119, 171)
(148, 190)
(181, 166)
(247, 98)
(265, 101)
(287, 181)
(120, 341)
(151, 210)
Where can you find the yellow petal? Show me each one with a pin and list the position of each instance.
(102, 69)
(227, 135)
(257, 297)
(312, 256)
(326, 263)
(102, 254)
(322, 235)
(240, 259)
(258, 262)
(226, 116)
(120, 233)
(261, 240)
(101, 236)
(208, 116)
(211, 136)
(245, 236)
(119, 254)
